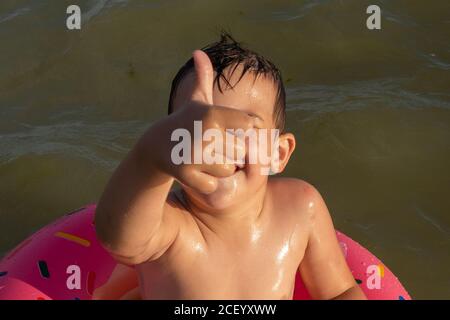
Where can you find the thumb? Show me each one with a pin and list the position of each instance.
(204, 74)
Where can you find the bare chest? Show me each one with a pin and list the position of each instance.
(194, 269)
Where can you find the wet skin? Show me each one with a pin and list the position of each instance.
(230, 233)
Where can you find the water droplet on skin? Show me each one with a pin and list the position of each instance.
(255, 234)
(283, 252)
(277, 284)
(198, 247)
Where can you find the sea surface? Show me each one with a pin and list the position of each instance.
(370, 109)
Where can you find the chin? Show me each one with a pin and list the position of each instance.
(231, 191)
(227, 192)
(219, 201)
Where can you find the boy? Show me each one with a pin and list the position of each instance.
(230, 232)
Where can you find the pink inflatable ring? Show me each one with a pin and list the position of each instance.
(41, 267)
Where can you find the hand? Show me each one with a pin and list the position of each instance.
(203, 177)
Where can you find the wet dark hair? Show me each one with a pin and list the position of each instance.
(227, 52)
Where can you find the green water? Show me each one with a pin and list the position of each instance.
(370, 109)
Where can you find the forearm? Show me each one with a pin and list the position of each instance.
(354, 293)
(130, 209)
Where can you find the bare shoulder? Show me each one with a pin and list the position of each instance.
(296, 190)
(297, 207)
(295, 196)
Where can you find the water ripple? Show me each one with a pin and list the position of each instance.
(358, 95)
(101, 143)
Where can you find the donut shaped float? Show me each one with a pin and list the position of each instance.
(64, 261)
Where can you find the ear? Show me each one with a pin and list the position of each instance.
(285, 148)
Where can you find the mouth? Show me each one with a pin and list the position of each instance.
(239, 170)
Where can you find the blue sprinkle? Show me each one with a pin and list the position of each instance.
(401, 298)
(3, 273)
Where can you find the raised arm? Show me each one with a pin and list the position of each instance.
(324, 270)
(133, 220)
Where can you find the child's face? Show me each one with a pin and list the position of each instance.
(254, 96)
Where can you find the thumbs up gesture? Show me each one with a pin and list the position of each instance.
(204, 75)
(202, 99)
(198, 174)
